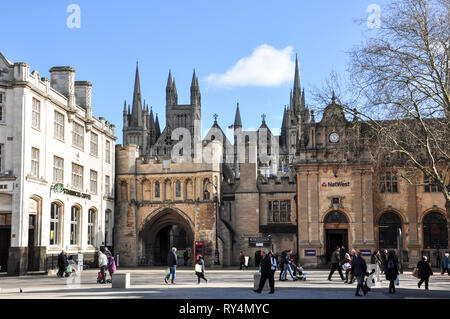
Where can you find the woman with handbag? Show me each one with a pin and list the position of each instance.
(346, 266)
(200, 269)
(425, 272)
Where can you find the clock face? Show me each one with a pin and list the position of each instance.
(334, 137)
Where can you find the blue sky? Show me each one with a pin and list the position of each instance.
(208, 35)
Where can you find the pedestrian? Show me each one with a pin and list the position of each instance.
(391, 271)
(353, 257)
(384, 256)
(172, 263)
(336, 263)
(446, 264)
(102, 264)
(111, 265)
(62, 263)
(273, 263)
(425, 272)
(71, 266)
(347, 266)
(185, 257)
(359, 271)
(200, 269)
(266, 273)
(378, 263)
(287, 266)
(106, 251)
(242, 260)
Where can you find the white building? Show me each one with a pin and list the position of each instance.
(56, 169)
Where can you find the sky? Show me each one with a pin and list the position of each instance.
(242, 51)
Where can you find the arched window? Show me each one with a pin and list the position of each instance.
(388, 226)
(157, 192)
(178, 189)
(55, 225)
(335, 217)
(74, 224)
(91, 227)
(435, 234)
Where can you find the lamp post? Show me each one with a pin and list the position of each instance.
(216, 199)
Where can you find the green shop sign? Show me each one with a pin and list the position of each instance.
(59, 188)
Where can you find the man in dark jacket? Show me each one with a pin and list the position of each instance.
(62, 263)
(172, 263)
(425, 271)
(266, 273)
(336, 263)
(359, 270)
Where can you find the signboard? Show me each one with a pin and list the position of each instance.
(310, 252)
(59, 188)
(365, 252)
(335, 184)
(259, 242)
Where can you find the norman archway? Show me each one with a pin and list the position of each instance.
(162, 230)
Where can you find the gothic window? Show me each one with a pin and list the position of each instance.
(335, 217)
(91, 227)
(388, 226)
(157, 192)
(178, 189)
(388, 182)
(55, 215)
(435, 234)
(74, 225)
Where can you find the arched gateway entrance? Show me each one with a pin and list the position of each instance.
(163, 230)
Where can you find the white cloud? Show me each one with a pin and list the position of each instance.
(266, 66)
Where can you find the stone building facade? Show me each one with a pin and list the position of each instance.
(56, 169)
(313, 187)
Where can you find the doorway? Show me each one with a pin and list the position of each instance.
(335, 238)
(5, 242)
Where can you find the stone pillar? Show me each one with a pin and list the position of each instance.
(358, 209)
(17, 261)
(411, 229)
(313, 191)
(368, 220)
(302, 202)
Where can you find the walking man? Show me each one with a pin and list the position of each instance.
(266, 273)
(172, 263)
(336, 263)
(359, 270)
(425, 272)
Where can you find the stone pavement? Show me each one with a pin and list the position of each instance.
(222, 284)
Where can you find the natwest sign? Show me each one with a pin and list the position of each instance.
(335, 184)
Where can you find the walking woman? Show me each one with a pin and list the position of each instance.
(347, 266)
(200, 269)
(391, 271)
(425, 272)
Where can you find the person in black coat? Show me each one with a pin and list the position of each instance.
(62, 263)
(266, 273)
(391, 271)
(425, 272)
(359, 271)
(201, 274)
(172, 263)
(353, 257)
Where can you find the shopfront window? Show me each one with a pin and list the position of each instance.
(389, 225)
(435, 233)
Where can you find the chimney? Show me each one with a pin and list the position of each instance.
(63, 81)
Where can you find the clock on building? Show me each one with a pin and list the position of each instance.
(334, 137)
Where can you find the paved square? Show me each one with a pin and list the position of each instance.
(222, 284)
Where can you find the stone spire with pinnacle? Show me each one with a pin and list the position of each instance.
(237, 118)
(195, 91)
(136, 111)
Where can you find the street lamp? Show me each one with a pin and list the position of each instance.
(216, 199)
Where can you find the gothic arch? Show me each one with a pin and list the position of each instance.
(341, 211)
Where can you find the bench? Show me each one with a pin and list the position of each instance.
(121, 280)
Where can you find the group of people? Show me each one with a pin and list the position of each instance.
(172, 262)
(67, 266)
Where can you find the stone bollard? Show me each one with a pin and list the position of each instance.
(257, 278)
(121, 280)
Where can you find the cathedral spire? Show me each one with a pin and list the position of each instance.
(136, 112)
(297, 93)
(237, 118)
(157, 128)
(195, 91)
